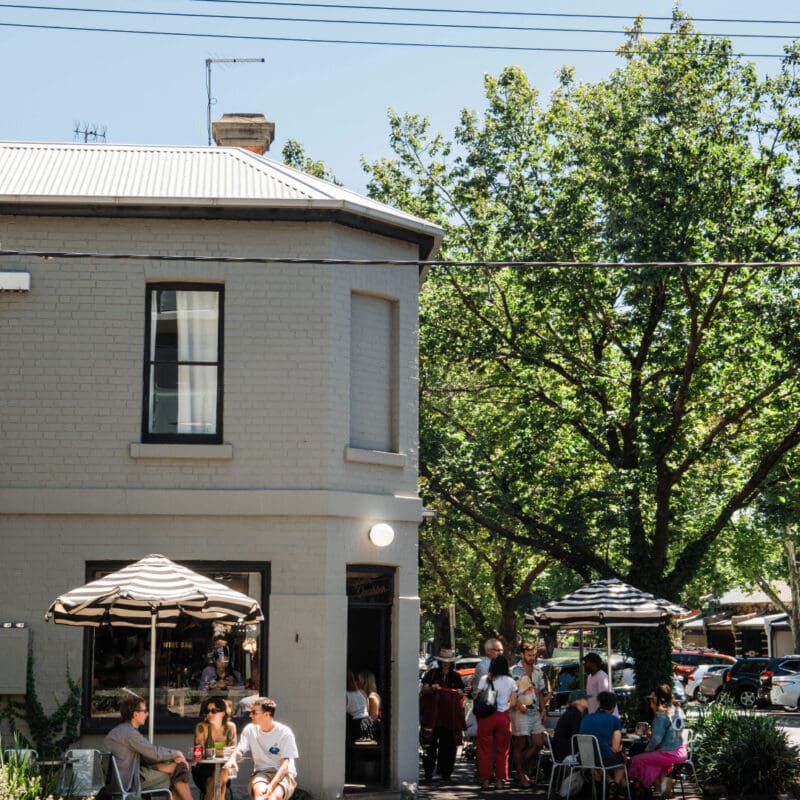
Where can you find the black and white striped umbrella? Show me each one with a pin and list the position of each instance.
(605, 603)
(150, 593)
(153, 587)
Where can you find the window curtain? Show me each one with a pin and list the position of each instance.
(198, 325)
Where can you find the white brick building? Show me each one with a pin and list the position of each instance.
(249, 418)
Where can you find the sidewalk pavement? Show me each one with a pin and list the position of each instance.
(464, 785)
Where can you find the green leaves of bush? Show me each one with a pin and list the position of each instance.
(746, 753)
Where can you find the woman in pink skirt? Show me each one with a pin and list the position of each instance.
(666, 746)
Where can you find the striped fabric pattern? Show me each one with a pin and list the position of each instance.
(152, 586)
(605, 602)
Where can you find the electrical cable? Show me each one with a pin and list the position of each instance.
(495, 12)
(384, 23)
(370, 262)
(316, 40)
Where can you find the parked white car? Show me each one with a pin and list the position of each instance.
(695, 681)
(785, 691)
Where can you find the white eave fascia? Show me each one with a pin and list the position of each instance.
(398, 220)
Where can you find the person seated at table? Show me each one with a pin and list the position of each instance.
(274, 751)
(220, 675)
(569, 724)
(216, 719)
(607, 729)
(163, 768)
(666, 746)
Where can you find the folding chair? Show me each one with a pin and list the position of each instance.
(679, 771)
(587, 748)
(83, 773)
(558, 768)
(22, 755)
(119, 792)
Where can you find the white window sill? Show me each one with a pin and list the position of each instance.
(196, 451)
(381, 458)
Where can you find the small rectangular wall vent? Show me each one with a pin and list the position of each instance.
(15, 281)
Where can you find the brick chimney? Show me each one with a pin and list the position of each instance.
(250, 131)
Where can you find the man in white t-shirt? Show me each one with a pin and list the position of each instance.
(273, 748)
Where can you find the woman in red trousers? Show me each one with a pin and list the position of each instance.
(494, 732)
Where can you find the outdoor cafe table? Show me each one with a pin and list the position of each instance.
(630, 739)
(217, 761)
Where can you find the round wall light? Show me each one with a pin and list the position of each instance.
(381, 534)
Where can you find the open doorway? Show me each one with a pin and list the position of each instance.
(370, 595)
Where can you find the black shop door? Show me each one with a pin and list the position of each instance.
(370, 595)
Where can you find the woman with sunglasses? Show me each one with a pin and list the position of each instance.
(215, 719)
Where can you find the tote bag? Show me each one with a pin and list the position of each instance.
(486, 702)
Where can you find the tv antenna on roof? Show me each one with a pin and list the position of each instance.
(212, 100)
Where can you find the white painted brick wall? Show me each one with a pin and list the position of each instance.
(71, 360)
(72, 393)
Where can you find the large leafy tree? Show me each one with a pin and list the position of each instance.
(614, 418)
(762, 544)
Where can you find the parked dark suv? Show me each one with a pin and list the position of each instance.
(743, 681)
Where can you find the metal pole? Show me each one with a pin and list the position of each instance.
(209, 62)
(152, 674)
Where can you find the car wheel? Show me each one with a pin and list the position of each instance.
(747, 697)
(700, 697)
(791, 708)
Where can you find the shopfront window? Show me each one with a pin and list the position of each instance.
(194, 660)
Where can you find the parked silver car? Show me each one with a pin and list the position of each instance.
(785, 692)
(696, 682)
(712, 684)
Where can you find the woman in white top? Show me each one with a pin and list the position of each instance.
(494, 732)
(359, 725)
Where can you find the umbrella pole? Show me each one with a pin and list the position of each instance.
(608, 651)
(152, 675)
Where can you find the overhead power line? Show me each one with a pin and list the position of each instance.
(381, 23)
(69, 254)
(495, 12)
(321, 40)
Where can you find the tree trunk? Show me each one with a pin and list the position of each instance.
(652, 650)
(794, 586)
(441, 631)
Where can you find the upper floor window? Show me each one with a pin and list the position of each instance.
(183, 364)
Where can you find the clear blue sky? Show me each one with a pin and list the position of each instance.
(333, 98)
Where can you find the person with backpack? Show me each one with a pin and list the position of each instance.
(666, 746)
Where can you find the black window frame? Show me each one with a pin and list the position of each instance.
(183, 438)
(95, 725)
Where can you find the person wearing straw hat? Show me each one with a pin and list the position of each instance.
(441, 716)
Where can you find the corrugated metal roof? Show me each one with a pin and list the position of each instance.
(100, 174)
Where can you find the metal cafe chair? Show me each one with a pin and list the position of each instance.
(118, 792)
(558, 769)
(587, 749)
(21, 755)
(83, 773)
(684, 769)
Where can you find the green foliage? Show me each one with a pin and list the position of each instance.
(613, 419)
(18, 777)
(294, 155)
(49, 734)
(745, 752)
